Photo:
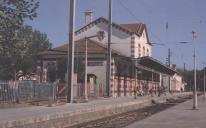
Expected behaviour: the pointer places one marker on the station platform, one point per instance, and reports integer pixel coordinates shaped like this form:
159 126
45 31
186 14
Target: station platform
70 114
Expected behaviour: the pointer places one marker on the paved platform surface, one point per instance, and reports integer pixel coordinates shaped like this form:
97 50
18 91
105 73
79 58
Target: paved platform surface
17 113
10 116
179 116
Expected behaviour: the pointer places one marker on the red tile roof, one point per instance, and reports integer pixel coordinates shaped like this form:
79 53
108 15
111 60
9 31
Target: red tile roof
93 47
136 28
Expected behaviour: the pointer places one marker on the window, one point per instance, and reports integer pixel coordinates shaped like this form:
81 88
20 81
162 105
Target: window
95 63
139 50
147 52
143 51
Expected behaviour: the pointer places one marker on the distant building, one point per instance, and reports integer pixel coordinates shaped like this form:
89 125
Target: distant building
177 83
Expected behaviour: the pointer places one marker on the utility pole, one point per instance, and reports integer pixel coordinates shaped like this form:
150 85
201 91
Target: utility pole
184 68
195 82
70 64
204 96
108 68
85 76
184 73
169 56
152 78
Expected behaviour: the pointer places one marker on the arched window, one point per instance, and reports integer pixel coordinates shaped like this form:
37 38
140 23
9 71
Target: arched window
143 51
147 52
139 50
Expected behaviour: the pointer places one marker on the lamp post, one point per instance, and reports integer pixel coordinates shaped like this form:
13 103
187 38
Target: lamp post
194 64
100 35
204 95
195 82
108 66
70 65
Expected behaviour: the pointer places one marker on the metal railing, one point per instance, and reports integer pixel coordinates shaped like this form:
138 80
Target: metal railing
14 91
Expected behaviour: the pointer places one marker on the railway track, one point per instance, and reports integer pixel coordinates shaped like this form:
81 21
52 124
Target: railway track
124 119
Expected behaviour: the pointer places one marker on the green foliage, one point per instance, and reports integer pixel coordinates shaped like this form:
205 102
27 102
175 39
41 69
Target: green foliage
13 13
5 67
19 43
21 55
188 77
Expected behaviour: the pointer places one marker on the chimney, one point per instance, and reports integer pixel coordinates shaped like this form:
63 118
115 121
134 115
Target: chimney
88 16
174 67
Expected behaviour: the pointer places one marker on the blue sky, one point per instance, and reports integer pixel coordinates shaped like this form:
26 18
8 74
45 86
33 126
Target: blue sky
182 16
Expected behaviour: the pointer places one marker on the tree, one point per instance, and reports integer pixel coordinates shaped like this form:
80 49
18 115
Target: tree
188 77
22 55
29 43
13 13
15 38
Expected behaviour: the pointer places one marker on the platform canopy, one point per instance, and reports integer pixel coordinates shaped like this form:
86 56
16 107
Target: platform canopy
150 63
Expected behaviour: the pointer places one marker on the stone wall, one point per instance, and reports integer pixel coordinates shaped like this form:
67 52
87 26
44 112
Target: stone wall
61 120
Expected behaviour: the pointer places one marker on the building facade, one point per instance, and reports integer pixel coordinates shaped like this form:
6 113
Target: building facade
131 40
131 54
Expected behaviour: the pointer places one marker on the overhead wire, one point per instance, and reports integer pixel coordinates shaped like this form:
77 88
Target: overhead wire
135 17
155 36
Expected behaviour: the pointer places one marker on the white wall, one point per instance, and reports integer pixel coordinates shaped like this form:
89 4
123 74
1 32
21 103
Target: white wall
165 81
100 73
121 41
177 83
142 41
